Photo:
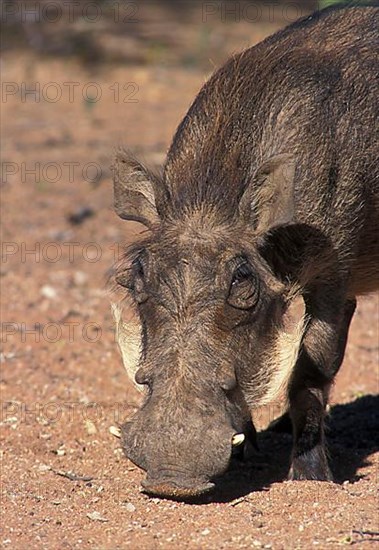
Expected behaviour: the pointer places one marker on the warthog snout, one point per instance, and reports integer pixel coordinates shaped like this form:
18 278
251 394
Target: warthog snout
181 459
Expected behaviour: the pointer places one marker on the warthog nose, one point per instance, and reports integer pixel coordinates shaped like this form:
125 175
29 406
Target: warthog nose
177 489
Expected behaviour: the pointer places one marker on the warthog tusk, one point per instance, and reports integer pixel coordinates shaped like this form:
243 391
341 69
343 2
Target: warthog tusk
238 439
115 431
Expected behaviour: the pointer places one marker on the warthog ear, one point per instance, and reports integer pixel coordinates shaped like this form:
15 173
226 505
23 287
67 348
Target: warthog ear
134 190
295 251
268 201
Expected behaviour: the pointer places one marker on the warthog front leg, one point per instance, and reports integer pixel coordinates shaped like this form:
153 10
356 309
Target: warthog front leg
320 358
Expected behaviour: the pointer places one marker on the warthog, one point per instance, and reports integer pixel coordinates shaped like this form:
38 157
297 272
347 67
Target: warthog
269 191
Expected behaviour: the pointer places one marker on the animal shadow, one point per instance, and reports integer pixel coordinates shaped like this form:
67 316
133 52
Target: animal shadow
352 432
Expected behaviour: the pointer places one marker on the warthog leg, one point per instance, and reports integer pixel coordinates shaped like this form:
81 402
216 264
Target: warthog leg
320 358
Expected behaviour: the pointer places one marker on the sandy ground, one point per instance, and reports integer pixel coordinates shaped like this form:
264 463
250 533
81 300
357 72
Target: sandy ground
65 481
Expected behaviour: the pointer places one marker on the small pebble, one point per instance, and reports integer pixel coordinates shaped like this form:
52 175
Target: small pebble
44 468
96 516
80 278
90 427
130 507
48 291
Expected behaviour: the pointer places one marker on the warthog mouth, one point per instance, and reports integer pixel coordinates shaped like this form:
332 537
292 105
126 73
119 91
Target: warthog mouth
175 489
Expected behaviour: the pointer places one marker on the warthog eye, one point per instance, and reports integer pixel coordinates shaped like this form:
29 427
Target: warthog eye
138 281
244 288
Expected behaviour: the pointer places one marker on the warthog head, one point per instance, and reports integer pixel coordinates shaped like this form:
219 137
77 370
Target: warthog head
210 312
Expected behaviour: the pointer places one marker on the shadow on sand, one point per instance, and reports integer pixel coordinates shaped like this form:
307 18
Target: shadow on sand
352 436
